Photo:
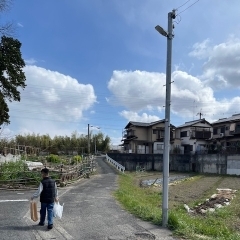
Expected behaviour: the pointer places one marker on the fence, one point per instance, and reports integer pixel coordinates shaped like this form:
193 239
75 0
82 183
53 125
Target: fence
61 173
118 166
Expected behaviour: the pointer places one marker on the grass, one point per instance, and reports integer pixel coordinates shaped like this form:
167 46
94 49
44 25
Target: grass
145 203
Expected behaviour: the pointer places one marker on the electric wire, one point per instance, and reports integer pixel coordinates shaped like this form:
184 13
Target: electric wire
183 4
187 7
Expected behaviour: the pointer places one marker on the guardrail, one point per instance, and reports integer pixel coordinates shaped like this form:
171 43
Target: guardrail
118 166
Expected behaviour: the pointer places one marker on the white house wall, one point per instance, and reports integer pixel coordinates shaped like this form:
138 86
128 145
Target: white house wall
187 141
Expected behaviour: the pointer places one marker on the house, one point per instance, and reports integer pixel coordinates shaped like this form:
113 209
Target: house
143 138
194 136
226 132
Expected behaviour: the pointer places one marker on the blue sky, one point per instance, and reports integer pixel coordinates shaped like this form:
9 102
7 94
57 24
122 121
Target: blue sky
103 63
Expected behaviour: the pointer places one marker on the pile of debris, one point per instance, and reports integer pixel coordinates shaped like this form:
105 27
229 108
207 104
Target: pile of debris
220 199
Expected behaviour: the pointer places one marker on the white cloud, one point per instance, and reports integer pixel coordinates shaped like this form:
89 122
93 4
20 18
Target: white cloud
201 50
52 102
221 68
140 91
30 61
133 116
5 132
19 24
136 90
115 141
51 95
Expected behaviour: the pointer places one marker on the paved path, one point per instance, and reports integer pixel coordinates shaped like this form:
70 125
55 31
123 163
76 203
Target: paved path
90 213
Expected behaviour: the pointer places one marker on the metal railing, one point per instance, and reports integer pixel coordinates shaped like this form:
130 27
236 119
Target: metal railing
118 166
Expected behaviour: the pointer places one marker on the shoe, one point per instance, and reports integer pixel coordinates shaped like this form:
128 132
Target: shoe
50 226
41 224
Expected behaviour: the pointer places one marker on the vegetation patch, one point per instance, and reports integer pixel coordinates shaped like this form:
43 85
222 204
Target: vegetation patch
224 223
144 203
16 174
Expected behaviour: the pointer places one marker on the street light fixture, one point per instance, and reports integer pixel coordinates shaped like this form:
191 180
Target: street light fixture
89 138
161 31
169 35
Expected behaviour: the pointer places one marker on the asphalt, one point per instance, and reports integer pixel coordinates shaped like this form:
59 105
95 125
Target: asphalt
90 213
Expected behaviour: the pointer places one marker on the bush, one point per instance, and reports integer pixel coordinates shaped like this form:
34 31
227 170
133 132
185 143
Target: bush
9 170
17 170
53 158
76 159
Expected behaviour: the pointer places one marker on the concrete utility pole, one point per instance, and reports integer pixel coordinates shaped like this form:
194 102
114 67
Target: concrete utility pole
95 145
88 141
169 35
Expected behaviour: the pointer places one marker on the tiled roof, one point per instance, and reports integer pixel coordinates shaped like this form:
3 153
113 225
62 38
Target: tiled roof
142 124
233 118
187 124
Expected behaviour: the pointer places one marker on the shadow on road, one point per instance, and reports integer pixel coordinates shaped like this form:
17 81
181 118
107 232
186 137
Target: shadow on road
17 228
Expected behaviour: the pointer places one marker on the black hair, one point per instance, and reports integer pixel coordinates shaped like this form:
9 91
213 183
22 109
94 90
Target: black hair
45 170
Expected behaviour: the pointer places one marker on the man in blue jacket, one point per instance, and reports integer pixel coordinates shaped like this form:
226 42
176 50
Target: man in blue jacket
48 194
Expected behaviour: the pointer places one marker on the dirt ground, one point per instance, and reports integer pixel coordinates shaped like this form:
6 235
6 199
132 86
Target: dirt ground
194 188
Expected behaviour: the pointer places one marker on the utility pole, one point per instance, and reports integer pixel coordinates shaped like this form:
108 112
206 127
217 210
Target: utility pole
169 35
95 144
88 141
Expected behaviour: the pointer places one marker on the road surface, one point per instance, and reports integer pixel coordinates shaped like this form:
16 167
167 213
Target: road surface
90 213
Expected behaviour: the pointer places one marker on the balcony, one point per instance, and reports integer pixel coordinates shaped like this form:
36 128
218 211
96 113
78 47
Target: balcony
129 134
202 134
234 128
160 137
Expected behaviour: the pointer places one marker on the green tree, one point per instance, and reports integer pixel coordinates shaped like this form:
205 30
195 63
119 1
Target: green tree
11 75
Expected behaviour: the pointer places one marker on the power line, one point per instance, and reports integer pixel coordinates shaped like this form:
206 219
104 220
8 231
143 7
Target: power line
183 4
188 7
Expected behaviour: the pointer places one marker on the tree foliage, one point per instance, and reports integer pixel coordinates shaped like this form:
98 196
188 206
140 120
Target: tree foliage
76 143
11 75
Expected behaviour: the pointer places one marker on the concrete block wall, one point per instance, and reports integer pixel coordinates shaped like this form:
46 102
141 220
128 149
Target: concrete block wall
210 163
233 164
206 163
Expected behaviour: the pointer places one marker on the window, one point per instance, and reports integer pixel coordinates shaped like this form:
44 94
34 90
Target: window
223 129
237 129
161 133
215 131
184 134
159 146
155 131
226 128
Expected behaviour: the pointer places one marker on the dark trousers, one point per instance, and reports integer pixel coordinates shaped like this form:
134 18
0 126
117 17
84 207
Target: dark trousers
46 207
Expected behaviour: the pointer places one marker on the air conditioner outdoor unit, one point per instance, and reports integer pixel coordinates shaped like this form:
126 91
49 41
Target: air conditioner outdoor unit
221 134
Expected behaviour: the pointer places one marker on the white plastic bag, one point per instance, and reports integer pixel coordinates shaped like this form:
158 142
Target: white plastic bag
57 210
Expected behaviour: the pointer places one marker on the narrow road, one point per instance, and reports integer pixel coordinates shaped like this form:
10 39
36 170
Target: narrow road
90 213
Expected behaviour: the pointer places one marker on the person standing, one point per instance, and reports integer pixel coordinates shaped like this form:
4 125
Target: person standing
48 193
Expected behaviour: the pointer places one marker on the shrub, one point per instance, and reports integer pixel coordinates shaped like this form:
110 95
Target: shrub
76 159
53 158
17 170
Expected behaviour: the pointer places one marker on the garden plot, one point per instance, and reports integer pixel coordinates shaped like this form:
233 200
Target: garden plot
220 199
159 181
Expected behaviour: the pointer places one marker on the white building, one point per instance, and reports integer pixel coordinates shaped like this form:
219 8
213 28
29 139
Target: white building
194 136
